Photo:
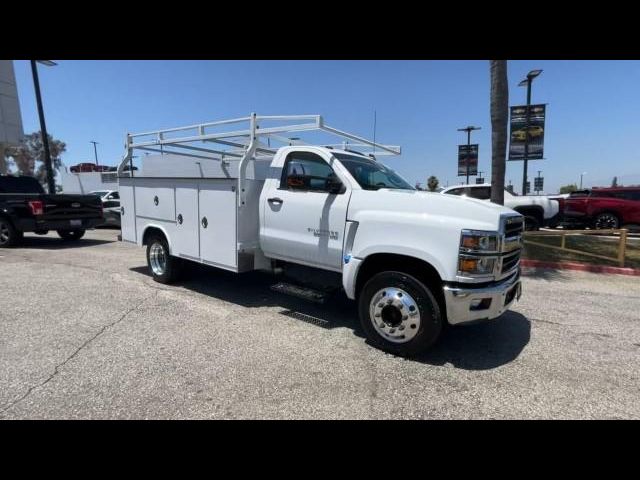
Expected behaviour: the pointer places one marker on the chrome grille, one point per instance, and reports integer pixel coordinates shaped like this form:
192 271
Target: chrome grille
509 261
513 226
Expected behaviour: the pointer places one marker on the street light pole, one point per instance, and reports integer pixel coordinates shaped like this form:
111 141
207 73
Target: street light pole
43 127
95 150
583 173
468 130
527 81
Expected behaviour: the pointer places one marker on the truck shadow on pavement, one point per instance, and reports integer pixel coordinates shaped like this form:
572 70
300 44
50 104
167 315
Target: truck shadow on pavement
476 347
55 243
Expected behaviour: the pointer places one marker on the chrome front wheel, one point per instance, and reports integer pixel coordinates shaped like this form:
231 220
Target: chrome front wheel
395 315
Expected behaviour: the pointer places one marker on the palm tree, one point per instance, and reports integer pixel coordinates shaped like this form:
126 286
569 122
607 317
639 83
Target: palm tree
499 124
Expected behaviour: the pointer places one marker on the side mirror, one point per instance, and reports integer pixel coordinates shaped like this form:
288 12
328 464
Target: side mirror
334 185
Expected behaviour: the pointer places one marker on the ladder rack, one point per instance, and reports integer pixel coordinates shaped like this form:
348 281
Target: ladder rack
242 138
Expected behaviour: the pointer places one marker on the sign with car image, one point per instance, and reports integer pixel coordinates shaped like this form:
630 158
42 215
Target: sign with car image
519 130
462 160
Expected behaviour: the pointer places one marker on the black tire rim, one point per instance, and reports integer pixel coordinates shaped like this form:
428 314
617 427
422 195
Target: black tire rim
606 220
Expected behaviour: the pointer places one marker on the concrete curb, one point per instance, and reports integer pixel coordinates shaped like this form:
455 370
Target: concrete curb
583 267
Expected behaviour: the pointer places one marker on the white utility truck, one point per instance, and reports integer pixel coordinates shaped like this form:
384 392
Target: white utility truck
226 195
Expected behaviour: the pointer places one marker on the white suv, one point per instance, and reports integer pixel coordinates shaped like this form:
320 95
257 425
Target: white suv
539 211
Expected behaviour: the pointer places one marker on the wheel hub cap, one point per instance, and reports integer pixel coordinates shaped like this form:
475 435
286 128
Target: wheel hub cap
394 315
158 259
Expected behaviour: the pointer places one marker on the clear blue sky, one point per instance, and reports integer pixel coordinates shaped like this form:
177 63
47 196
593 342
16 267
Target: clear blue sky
592 113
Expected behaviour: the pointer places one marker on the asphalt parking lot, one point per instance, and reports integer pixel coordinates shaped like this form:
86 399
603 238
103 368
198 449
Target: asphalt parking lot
86 333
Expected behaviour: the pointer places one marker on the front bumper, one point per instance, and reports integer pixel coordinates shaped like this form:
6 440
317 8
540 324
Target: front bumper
494 300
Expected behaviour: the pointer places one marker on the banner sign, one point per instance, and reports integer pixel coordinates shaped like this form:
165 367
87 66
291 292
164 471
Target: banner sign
519 130
538 184
470 152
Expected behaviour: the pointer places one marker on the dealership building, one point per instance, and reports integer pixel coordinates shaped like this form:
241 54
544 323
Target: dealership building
10 120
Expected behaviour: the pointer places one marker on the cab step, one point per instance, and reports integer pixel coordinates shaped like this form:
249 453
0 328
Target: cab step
300 291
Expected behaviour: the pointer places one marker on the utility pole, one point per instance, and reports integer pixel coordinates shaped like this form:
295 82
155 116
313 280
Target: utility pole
468 129
95 150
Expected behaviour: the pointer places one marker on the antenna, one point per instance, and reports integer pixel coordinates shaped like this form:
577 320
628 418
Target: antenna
374 131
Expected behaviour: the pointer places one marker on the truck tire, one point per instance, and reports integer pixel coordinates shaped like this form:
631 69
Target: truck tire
163 267
71 234
9 236
531 223
399 314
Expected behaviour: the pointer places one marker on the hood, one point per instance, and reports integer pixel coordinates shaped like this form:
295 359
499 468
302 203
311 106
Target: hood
449 210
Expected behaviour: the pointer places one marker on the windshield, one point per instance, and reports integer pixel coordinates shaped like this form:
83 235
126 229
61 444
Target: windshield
372 175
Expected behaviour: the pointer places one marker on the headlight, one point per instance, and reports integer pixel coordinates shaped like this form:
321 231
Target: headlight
478 241
476 265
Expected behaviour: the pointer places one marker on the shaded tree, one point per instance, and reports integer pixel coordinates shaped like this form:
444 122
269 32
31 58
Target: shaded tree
28 156
432 183
499 122
568 188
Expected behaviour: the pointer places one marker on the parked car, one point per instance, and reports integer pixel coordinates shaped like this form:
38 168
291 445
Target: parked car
110 205
412 263
538 210
25 207
607 207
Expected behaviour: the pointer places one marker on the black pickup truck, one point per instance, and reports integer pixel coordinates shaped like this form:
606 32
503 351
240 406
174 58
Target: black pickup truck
25 207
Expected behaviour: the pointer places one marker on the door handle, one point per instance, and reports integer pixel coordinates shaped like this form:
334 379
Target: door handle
274 200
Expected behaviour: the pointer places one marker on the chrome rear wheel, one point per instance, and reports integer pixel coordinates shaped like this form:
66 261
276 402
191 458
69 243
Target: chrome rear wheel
158 258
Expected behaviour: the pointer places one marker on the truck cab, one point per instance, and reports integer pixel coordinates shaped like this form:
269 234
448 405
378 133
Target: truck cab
414 261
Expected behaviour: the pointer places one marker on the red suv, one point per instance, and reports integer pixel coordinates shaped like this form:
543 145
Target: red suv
605 207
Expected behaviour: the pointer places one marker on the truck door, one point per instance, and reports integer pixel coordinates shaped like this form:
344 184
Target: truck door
303 221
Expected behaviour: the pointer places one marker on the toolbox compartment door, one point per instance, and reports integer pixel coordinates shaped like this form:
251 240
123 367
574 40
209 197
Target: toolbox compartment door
218 213
186 241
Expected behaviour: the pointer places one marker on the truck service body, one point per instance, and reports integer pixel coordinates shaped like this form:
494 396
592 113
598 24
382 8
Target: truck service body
414 261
